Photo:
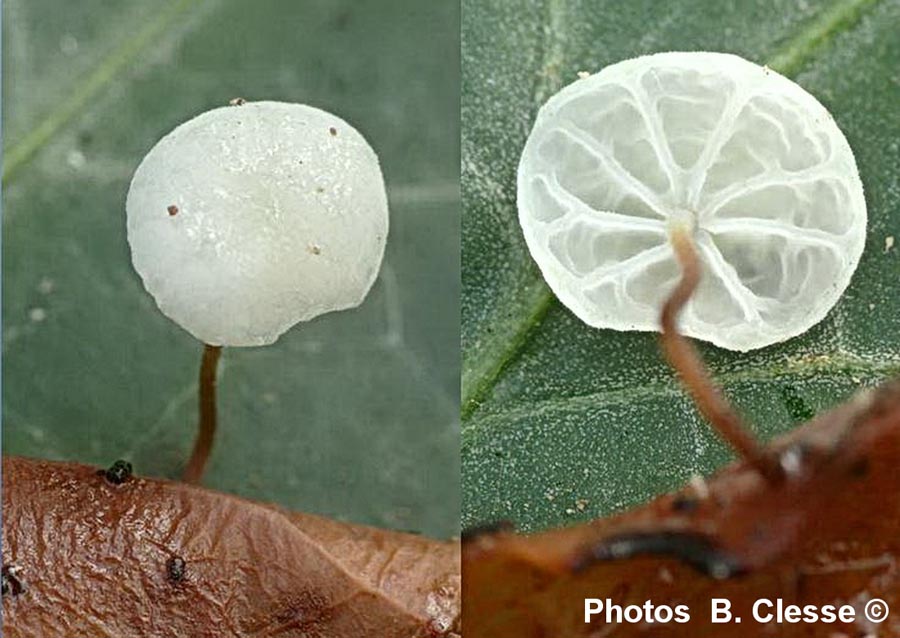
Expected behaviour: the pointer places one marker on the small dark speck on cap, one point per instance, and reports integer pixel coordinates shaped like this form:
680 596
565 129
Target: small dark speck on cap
173 210
332 130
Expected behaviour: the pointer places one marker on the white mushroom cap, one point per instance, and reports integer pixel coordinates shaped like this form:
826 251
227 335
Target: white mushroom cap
248 219
744 157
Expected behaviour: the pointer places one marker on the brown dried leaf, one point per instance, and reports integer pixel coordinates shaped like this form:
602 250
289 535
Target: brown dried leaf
96 559
828 534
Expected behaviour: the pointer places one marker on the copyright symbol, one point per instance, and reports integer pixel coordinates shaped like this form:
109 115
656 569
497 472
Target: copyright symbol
876 610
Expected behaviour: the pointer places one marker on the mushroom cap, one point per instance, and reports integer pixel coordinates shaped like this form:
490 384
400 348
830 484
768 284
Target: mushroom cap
744 157
248 219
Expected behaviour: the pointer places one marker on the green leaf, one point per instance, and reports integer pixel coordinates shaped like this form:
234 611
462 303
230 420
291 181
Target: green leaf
353 415
562 422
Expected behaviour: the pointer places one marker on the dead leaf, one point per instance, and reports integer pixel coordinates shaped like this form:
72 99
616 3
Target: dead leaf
829 533
98 559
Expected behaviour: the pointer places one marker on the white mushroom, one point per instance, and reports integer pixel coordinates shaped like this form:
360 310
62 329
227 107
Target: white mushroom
753 166
250 218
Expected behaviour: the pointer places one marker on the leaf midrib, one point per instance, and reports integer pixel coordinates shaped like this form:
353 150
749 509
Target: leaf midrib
21 153
482 374
845 364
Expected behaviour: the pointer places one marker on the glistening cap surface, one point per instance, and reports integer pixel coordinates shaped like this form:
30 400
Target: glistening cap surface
749 161
247 219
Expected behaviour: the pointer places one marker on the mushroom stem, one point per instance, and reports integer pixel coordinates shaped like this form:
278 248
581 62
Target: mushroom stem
206 429
684 358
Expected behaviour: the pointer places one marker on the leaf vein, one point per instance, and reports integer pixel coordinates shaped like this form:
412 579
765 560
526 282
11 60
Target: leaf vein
23 151
835 364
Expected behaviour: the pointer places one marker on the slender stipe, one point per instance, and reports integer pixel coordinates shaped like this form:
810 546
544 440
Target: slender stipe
684 358
206 429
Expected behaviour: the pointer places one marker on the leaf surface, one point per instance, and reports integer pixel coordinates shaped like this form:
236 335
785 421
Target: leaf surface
564 423
353 415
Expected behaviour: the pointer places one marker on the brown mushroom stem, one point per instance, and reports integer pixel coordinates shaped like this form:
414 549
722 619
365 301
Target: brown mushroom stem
684 358
206 429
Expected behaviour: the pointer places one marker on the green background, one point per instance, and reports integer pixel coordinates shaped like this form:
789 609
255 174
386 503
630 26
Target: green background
353 415
564 423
